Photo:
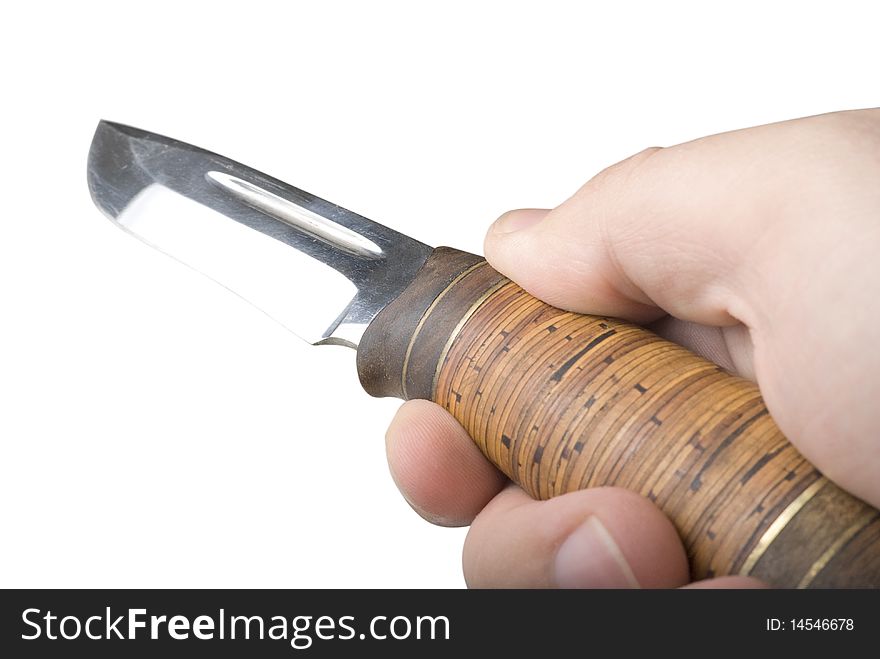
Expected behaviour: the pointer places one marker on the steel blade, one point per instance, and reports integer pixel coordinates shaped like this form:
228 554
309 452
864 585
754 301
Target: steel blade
237 226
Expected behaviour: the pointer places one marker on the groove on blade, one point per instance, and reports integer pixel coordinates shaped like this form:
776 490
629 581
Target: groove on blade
296 216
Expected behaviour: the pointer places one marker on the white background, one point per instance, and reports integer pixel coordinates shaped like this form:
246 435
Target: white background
158 431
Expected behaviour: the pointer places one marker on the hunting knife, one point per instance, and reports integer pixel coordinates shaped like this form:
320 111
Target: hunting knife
558 401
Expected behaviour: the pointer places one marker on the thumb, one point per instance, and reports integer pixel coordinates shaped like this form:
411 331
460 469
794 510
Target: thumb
631 243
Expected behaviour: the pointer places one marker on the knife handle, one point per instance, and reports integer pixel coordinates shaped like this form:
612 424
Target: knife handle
560 401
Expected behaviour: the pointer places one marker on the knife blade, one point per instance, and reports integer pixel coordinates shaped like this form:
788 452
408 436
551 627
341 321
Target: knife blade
210 213
558 401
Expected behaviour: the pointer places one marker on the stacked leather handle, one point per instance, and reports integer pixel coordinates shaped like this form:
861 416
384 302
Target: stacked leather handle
561 401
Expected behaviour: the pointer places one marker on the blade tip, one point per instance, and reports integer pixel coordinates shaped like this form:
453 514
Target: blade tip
112 184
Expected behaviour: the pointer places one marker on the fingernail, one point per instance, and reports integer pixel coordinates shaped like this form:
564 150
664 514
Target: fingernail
590 558
518 220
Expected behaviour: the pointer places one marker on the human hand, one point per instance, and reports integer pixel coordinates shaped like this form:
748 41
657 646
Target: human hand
756 249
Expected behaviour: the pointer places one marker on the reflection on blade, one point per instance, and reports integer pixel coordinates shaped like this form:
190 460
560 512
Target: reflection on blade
265 272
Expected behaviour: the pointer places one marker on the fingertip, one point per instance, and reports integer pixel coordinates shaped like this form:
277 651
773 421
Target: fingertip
596 538
437 467
509 243
646 538
732 582
517 220
560 257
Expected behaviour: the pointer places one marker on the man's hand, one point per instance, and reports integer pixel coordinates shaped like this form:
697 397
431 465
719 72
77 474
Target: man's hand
758 249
